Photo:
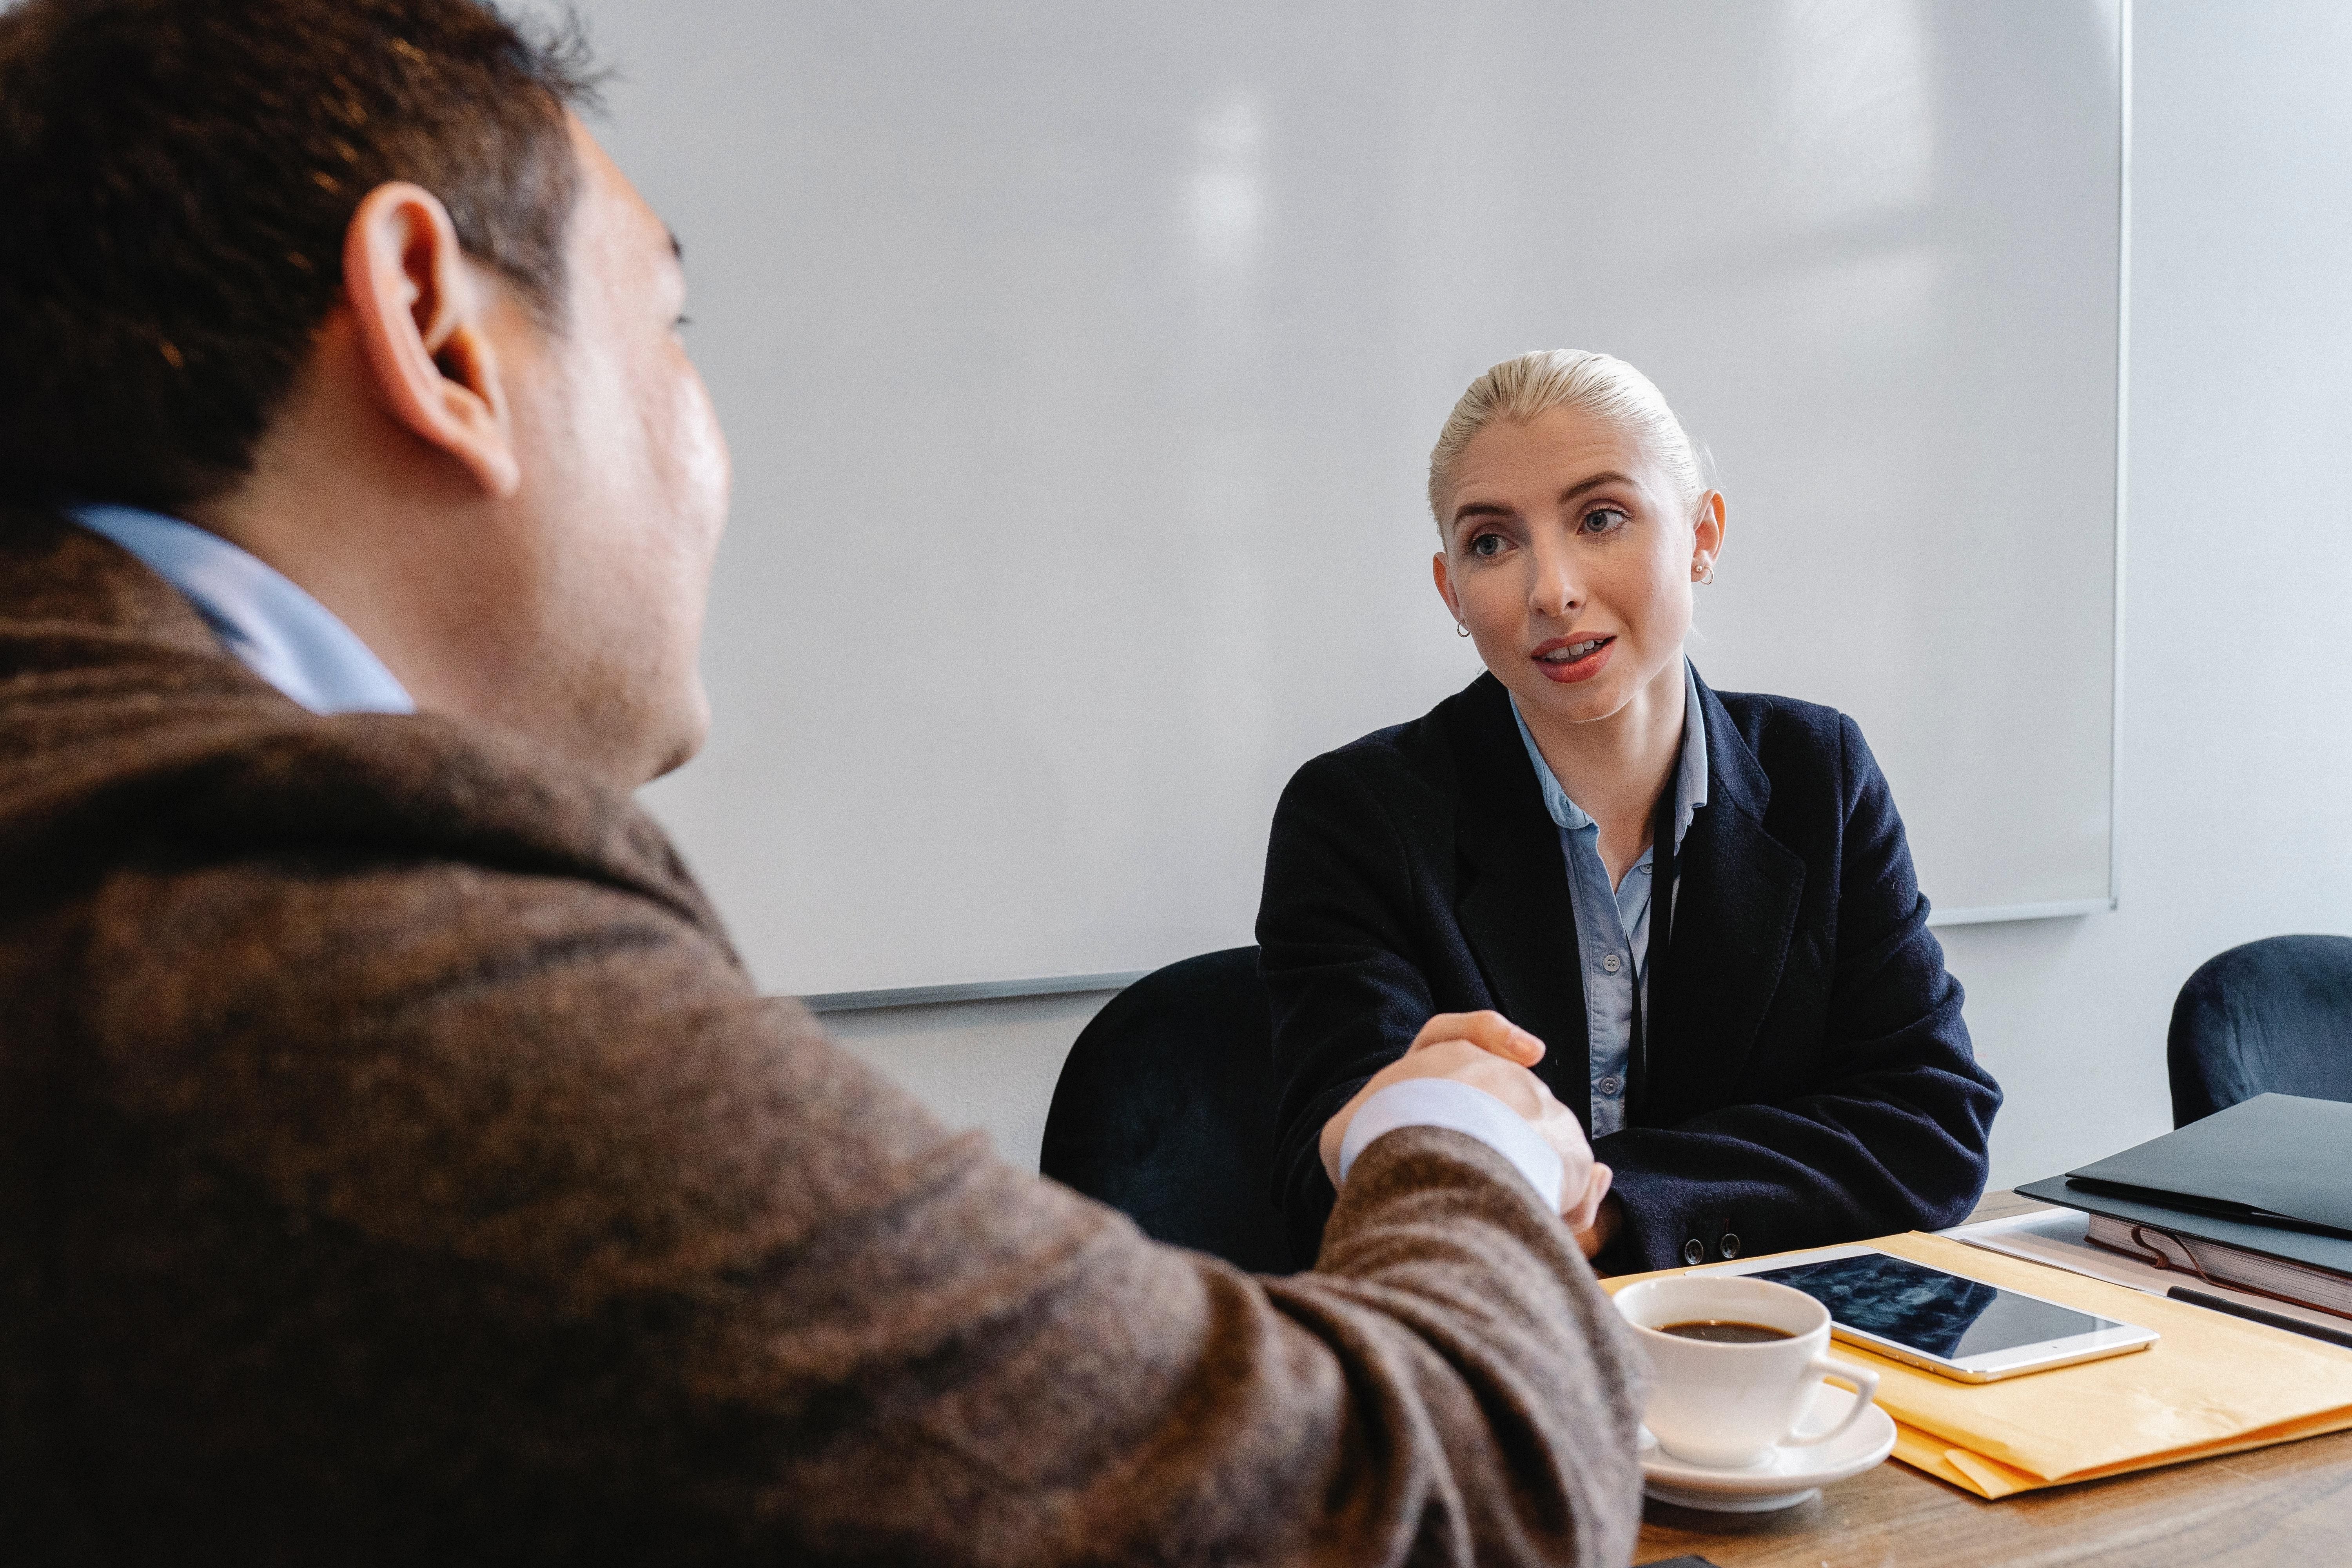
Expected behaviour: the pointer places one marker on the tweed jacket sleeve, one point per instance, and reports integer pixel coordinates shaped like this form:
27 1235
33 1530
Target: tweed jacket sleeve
400 1168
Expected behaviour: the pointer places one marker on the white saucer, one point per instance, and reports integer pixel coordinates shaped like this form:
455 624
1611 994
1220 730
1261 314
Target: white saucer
1782 1478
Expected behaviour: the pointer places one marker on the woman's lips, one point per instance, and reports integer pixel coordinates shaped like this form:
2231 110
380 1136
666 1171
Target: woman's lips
1571 659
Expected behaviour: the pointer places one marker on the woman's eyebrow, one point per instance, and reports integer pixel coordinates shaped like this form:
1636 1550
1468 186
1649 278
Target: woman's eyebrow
1607 477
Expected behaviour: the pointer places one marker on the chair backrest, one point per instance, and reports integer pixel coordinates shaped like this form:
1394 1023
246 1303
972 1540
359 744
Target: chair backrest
1165 1110
2274 1016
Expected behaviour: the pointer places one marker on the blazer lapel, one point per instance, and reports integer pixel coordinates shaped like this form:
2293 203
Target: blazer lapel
1513 902
1735 912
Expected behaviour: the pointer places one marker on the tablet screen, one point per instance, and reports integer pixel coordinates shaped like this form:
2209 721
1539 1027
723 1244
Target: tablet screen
1929 1309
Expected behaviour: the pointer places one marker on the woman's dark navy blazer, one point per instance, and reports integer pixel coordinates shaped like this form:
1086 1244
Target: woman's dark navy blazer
1809 1079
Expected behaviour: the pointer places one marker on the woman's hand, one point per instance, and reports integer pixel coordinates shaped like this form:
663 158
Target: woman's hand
1487 1051
1607 1217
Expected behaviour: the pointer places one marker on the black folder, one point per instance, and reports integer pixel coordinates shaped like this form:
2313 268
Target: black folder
2272 1175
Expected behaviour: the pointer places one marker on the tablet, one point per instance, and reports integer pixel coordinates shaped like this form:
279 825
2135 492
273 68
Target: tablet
1945 1324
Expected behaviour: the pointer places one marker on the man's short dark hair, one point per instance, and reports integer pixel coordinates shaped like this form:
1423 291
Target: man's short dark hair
177 178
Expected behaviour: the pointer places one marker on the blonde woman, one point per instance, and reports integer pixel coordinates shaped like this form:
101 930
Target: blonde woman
1753 1022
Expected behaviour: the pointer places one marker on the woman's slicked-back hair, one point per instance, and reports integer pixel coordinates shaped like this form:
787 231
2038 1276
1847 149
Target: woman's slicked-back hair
179 175
1592 383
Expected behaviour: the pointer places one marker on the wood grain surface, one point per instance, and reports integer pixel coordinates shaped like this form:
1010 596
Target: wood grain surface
2291 1504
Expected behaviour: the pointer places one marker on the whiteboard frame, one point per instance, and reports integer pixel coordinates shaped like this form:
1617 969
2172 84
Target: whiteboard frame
1119 980
2123 442
1998 914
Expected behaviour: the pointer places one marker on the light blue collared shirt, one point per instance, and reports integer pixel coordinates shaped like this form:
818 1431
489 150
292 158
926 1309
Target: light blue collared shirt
261 616
1613 925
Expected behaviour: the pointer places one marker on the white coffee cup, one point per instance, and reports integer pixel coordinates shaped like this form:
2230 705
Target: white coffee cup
1729 1405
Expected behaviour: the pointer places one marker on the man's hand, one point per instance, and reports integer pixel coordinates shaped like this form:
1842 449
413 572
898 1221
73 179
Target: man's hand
1487 1051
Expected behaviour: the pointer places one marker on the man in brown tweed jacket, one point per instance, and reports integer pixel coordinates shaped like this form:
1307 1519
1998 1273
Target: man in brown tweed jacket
396 1164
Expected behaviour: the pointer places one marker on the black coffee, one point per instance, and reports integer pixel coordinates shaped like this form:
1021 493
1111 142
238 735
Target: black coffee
1718 1331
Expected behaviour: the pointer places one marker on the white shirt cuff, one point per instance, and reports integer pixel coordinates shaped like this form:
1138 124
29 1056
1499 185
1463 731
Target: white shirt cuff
1444 1102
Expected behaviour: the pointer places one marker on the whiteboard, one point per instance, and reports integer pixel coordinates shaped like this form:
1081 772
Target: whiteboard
1081 361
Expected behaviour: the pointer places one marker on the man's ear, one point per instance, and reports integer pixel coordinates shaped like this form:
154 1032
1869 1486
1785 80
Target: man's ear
422 313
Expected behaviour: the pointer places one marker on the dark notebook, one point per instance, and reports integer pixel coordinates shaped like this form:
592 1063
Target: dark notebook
2270 1175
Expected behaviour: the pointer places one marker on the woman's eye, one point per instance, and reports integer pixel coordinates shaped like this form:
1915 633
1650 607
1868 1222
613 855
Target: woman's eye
1486 546
1605 520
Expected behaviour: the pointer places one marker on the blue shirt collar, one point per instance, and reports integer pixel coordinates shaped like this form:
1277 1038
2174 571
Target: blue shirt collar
1690 781
270 624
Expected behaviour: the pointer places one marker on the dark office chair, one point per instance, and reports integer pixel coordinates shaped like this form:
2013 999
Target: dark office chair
1165 1110
2273 1016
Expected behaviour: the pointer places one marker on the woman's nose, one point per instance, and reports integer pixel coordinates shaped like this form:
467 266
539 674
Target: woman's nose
1555 590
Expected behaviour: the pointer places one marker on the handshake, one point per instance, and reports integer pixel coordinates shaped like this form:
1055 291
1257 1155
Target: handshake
1487 1051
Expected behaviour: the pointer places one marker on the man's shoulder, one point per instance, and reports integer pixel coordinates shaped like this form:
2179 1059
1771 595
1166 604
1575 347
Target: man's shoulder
132 776
128 735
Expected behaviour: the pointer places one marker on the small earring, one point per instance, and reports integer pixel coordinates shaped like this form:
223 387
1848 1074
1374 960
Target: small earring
1704 575
1460 630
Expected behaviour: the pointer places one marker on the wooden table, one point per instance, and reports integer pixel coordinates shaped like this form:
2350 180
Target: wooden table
2288 1505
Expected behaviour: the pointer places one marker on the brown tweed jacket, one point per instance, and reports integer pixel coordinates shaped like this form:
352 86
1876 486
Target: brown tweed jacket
397 1166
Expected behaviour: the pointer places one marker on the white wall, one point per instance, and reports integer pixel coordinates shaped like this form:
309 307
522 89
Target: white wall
2237 715
2237 685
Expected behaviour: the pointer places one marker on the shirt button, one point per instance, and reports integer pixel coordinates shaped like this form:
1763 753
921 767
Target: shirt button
1610 964
1611 1085
1694 1251
1730 1245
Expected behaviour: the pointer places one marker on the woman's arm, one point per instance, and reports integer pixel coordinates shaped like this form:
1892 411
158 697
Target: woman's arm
1889 1134
1335 947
